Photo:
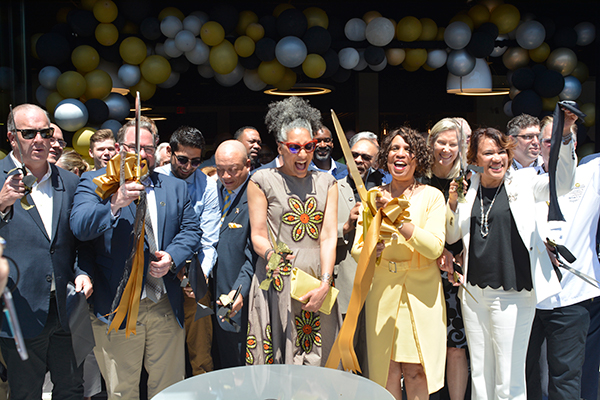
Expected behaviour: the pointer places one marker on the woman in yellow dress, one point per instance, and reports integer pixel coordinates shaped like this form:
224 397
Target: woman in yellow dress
405 308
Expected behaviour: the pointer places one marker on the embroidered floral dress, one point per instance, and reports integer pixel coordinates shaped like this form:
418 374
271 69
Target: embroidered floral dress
279 331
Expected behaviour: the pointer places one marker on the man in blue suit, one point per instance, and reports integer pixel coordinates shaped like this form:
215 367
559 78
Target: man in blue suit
236 258
40 242
159 342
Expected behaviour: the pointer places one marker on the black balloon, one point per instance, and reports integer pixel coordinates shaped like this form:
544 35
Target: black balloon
136 10
374 55
269 24
97 110
265 49
119 22
82 22
179 64
226 15
150 28
548 83
549 26
489 28
317 40
523 78
251 62
336 28
332 63
565 37
53 49
111 53
527 102
291 22
481 44
538 68
342 75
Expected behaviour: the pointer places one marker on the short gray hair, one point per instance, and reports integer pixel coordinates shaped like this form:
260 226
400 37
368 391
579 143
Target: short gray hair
364 135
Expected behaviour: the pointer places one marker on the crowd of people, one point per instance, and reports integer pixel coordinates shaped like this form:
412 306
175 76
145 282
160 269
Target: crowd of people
199 258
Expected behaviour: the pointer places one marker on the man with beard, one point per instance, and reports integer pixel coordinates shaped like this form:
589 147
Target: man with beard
250 138
525 130
322 160
172 235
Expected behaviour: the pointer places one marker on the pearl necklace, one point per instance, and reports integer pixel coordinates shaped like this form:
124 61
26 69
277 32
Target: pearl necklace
484 228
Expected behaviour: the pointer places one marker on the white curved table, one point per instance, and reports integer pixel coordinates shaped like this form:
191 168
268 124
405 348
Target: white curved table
270 382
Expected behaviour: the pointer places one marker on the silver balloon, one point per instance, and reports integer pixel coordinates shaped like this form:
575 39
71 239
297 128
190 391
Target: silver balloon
193 24
231 78
362 63
563 60
437 58
355 29
129 74
171 49
71 114
159 49
206 71
380 66
572 89
202 16
48 77
349 58
457 35
508 109
290 51
499 50
118 106
113 125
380 31
515 58
170 26
586 33
171 81
512 35
41 95
185 40
460 62
253 81
530 35
199 54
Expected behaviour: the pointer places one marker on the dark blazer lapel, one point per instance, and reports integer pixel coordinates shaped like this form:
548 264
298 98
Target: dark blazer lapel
58 190
240 200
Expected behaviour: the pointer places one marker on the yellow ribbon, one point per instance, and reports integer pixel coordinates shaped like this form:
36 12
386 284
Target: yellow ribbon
109 182
380 226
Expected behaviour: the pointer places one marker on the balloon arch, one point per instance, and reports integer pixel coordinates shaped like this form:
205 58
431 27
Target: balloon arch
230 46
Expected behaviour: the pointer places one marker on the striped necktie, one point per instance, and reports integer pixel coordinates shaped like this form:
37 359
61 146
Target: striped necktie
226 203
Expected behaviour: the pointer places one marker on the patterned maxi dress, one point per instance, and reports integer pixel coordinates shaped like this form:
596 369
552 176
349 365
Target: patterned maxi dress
279 331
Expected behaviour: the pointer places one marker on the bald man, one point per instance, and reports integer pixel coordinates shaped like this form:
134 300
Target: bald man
235 262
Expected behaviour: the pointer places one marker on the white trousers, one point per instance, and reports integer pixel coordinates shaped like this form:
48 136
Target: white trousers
498 326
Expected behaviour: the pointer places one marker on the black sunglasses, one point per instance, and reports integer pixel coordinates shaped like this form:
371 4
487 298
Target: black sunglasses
183 160
29 134
365 157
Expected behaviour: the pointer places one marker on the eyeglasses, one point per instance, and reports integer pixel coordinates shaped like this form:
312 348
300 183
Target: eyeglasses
528 137
150 150
29 134
183 160
324 140
61 143
295 148
547 142
365 157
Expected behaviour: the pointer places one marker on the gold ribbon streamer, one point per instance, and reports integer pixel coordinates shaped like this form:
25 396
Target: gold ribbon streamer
381 226
108 183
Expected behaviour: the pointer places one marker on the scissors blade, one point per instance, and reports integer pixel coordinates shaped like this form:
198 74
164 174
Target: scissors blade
580 275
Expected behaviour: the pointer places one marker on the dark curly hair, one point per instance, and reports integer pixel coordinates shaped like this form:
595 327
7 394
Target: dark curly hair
417 147
291 113
503 141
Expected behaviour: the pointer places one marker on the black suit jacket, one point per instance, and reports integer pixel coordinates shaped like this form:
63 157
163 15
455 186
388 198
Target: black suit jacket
39 256
236 257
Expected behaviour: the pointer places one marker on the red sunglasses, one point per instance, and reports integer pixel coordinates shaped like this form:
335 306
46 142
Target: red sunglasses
295 148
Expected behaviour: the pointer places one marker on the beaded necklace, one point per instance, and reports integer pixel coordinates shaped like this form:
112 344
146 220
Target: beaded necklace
484 228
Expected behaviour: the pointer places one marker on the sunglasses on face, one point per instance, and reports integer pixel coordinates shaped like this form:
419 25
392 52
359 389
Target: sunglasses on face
29 134
365 157
295 148
183 160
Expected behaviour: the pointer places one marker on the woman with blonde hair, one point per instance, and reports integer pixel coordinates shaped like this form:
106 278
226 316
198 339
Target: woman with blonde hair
72 161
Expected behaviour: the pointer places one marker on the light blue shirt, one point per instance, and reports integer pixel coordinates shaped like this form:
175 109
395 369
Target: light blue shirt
338 170
205 199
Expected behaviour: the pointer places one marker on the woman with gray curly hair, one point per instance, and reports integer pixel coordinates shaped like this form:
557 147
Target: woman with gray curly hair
298 207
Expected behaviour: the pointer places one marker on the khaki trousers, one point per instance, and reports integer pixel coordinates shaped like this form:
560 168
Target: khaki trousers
198 336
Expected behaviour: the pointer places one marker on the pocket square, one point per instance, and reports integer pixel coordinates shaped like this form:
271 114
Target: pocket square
233 225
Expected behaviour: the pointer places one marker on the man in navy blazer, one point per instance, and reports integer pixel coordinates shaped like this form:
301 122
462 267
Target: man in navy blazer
107 225
236 258
41 244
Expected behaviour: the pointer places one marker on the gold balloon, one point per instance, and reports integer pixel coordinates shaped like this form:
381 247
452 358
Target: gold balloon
590 110
71 84
130 28
271 72
491 4
585 150
145 88
107 34
370 16
155 69
34 40
171 11
105 11
430 29
540 54
85 58
464 18
52 101
212 33
548 104
223 58
246 18
410 68
395 56
281 8
98 84
440 33
3 153
244 46
428 68
133 50
415 58
515 58
409 29
513 92
81 140
61 15
479 15
314 66
288 81
88 4
563 60
581 72
506 17
255 32
316 17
